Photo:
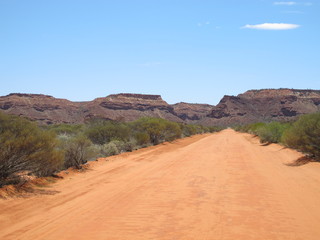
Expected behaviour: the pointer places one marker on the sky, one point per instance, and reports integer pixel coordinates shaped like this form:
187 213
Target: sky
184 50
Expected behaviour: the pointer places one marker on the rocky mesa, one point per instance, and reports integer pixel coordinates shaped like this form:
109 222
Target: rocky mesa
252 106
264 105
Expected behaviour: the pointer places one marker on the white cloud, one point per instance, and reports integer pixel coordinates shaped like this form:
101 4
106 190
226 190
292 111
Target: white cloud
203 24
293 3
285 3
272 26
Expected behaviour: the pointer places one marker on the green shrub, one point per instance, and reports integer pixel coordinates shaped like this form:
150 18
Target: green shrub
154 127
304 135
271 132
124 146
78 150
142 138
267 132
105 131
171 131
65 129
213 129
26 147
189 130
252 128
109 149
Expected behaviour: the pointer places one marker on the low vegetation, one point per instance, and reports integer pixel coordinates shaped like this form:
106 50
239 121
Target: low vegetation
26 147
29 149
303 134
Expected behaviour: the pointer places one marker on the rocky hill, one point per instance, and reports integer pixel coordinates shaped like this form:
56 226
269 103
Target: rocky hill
264 105
252 106
48 110
130 107
191 112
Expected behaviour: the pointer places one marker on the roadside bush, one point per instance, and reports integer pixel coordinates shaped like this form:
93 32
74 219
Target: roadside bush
250 128
271 132
142 138
213 129
109 149
158 130
78 150
171 131
154 127
304 135
189 130
102 132
65 129
124 146
26 147
267 132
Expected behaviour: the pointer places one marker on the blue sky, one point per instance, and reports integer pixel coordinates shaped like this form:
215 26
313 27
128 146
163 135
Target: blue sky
188 50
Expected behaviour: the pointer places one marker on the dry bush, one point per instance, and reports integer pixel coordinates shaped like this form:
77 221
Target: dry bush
26 147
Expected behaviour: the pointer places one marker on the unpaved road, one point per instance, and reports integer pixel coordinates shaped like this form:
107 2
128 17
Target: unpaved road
219 186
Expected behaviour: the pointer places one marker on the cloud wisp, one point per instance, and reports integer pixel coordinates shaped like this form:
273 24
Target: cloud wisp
292 3
272 26
285 3
203 24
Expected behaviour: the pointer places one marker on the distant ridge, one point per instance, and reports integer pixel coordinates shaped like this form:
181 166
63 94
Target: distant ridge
262 105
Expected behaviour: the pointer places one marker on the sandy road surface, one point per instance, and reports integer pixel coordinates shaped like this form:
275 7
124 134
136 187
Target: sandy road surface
219 186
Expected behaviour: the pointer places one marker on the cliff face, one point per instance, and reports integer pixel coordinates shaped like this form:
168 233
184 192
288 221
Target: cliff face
264 106
130 107
252 106
42 108
191 112
47 109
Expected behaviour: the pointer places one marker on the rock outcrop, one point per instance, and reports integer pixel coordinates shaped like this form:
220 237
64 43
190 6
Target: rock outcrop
47 109
252 106
42 108
263 106
129 107
191 112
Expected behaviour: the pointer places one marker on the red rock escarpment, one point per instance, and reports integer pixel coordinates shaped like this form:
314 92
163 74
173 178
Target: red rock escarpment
252 106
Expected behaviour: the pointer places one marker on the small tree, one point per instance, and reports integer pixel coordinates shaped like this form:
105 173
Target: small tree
77 152
25 147
171 131
272 132
102 132
142 138
304 135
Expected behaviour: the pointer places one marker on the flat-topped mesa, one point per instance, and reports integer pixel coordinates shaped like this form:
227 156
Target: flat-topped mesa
282 92
39 107
27 95
136 96
130 107
264 105
133 101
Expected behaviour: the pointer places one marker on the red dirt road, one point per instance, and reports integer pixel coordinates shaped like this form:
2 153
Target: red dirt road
219 186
